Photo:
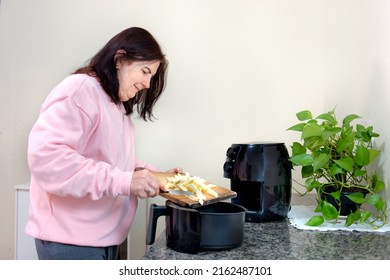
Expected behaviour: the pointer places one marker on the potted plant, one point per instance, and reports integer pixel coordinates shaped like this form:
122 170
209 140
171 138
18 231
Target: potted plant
334 159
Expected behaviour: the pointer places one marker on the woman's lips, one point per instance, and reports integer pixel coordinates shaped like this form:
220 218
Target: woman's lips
139 88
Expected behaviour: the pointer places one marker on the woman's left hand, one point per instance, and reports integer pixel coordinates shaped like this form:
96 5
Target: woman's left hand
162 176
176 170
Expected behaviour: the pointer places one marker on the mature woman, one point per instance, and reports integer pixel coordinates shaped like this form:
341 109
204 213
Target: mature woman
85 177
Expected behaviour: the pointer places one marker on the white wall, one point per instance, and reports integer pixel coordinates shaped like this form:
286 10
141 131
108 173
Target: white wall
357 67
239 71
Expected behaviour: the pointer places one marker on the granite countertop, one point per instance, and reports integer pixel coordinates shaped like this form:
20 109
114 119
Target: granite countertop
280 240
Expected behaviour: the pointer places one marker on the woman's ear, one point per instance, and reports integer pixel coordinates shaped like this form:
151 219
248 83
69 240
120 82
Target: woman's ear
118 55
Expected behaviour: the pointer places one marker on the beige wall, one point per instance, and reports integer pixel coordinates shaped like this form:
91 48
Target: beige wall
239 71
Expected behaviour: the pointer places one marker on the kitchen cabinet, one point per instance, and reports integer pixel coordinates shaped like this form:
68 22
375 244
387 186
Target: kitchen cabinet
24 244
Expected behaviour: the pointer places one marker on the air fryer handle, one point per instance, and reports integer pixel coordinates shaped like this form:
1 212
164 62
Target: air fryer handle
154 212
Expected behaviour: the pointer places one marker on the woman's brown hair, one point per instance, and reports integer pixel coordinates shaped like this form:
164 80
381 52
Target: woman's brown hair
138 45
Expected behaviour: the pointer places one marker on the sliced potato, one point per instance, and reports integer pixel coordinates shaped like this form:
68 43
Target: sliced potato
194 184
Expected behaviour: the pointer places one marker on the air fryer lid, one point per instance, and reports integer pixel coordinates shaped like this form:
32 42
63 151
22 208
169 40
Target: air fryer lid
250 161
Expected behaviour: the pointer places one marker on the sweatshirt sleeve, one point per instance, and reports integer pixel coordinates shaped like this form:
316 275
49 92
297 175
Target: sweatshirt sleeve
56 145
140 164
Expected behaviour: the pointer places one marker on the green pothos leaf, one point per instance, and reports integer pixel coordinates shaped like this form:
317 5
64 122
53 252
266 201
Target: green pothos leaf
329 211
350 118
307 171
356 197
315 221
297 127
362 156
373 199
304 115
320 161
318 208
302 159
364 215
352 218
346 163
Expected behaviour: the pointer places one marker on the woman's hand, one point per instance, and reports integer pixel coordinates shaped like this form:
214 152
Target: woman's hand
146 183
176 170
163 177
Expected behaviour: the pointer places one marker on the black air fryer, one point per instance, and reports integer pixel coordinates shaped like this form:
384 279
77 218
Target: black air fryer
260 174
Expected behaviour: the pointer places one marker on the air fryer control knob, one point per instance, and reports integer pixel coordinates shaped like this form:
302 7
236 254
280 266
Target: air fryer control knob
228 166
231 153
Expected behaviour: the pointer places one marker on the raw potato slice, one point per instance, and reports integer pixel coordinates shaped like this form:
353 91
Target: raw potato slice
197 185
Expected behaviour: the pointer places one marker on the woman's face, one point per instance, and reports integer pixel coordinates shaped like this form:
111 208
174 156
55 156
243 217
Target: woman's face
134 76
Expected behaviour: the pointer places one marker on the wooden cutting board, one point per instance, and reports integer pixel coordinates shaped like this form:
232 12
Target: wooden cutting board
184 201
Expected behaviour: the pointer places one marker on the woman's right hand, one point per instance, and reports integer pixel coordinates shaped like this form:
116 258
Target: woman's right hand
144 184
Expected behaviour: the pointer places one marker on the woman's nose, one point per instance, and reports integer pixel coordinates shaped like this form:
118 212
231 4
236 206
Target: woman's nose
146 83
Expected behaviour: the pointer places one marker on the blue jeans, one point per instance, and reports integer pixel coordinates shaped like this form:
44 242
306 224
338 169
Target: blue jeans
48 250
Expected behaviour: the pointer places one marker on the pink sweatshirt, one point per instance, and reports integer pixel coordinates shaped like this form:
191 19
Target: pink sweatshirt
81 156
